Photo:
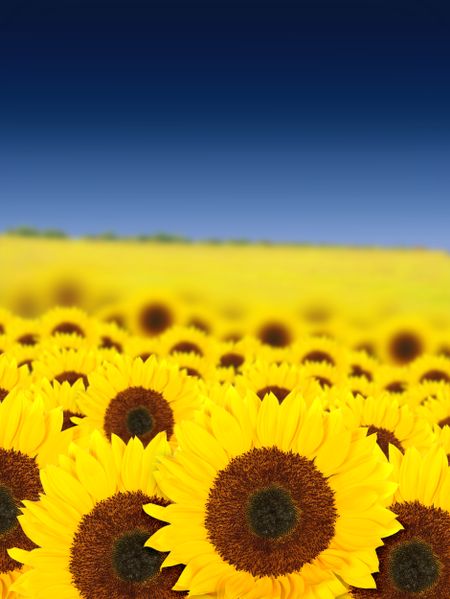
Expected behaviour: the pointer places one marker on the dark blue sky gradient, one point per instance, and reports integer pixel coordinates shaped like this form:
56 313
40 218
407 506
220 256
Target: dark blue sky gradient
312 121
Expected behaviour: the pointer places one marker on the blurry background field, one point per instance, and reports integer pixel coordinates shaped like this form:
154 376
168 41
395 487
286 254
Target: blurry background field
38 273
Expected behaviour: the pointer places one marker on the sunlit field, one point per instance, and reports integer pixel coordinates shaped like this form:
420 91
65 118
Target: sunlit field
230 421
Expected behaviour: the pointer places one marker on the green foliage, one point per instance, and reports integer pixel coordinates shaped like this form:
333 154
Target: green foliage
25 231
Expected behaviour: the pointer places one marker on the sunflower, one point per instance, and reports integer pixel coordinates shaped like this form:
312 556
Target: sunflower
112 337
274 329
29 438
90 527
150 314
394 379
319 349
404 339
67 321
325 374
186 340
195 366
415 562
394 424
134 398
25 331
64 395
23 354
361 365
115 313
436 410
12 377
430 369
273 500
281 380
67 365
235 355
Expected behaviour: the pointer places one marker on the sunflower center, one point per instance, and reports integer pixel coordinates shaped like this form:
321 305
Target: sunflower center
186 347
358 370
435 375
139 421
68 328
271 513
155 319
405 347
108 557
71 377
252 512
28 339
414 561
275 334
396 387
67 422
108 343
384 437
280 392
444 422
138 412
132 560
3 394
19 480
8 511
231 359
318 356
413 567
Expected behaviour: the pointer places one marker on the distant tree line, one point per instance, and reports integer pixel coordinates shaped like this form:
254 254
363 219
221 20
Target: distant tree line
162 237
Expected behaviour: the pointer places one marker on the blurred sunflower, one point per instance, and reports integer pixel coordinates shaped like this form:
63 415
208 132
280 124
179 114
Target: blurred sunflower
12 376
264 510
67 321
29 436
110 336
393 379
325 374
394 424
91 529
361 365
275 329
152 314
436 410
186 340
25 331
134 398
430 369
403 340
23 354
415 562
281 380
236 355
319 349
195 366
67 365
115 313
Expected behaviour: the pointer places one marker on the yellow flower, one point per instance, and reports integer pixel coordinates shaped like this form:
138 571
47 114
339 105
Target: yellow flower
415 562
393 423
273 500
129 397
29 439
90 527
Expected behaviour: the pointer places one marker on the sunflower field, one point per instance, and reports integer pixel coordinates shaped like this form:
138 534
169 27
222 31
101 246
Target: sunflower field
223 421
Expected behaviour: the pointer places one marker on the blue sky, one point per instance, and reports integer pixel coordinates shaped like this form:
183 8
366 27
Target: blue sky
293 121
